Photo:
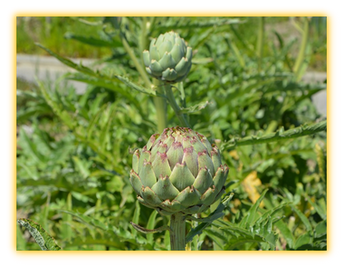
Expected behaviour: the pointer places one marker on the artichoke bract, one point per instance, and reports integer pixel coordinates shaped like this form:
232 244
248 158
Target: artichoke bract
178 171
169 58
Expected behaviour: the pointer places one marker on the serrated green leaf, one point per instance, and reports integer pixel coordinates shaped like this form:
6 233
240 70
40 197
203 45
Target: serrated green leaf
163 27
241 241
196 231
320 229
286 233
135 86
318 208
63 114
217 237
236 52
277 136
43 239
94 107
59 183
227 226
94 120
304 240
106 83
80 241
68 62
92 40
30 173
81 166
38 109
196 108
31 147
303 218
89 220
209 219
252 212
98 79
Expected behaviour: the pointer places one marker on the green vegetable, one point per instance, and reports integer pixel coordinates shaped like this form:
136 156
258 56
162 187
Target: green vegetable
178 171
169 58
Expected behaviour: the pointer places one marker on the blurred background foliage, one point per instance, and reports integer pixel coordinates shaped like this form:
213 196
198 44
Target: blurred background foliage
74 150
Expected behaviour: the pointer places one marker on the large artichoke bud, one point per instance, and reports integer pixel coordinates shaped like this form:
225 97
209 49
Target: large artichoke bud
178 171
168 59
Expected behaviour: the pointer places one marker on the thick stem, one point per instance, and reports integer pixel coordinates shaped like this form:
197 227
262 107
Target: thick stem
161 108
174 105
177 232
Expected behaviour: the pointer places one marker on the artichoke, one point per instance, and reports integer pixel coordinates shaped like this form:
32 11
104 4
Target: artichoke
168 59
178 171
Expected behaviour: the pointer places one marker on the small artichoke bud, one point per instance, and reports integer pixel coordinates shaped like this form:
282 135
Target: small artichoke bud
178 171
169 59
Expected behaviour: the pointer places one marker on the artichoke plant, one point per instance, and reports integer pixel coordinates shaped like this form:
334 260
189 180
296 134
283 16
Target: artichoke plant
178 171
169 58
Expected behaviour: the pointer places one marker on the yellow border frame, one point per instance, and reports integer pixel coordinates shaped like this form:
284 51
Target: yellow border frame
179 8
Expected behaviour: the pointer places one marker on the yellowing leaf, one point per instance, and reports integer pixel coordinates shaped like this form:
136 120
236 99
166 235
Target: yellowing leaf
234 154
320 160
249 184
236 204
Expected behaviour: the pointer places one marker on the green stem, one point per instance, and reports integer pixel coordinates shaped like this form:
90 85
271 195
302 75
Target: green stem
301 55
152 24
174 105
177 232
143 34
161 108
160 105
259 46
277 136
136 62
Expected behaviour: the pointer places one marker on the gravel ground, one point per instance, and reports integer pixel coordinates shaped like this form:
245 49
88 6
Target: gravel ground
29 67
